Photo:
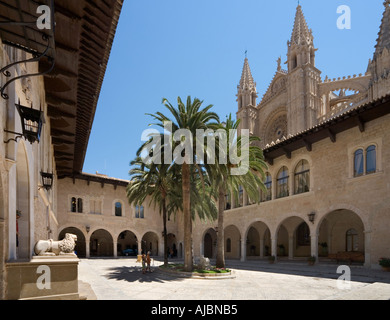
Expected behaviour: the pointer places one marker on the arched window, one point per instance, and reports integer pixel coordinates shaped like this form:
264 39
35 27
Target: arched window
80 205
118 209
303 235
137 211
228 205
282 183
240 197
73 205
228 245
371 159
141 214
358 163
352 240
266 196
302 177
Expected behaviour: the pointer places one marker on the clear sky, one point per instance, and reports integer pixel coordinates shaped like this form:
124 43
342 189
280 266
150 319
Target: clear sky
171 48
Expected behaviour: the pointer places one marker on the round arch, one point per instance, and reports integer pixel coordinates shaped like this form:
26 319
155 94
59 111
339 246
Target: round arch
150 242
232 240
293 236
258 239
342 230
209 242
127 243
101 243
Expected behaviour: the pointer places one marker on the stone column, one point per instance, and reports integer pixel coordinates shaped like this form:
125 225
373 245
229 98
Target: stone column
139 247
261 248
314 246
243 249
290 247
274 249
367 249
87 248
115 248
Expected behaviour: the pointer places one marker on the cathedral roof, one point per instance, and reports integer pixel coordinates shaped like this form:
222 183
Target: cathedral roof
301 33
384 33
246 77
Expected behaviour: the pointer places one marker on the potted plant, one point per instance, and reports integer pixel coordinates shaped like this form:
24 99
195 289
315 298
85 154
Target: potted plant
324 249
385 263
281 250
311 260
271 259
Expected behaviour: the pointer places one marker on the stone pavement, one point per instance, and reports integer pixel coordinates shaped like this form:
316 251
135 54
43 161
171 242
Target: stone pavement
121 279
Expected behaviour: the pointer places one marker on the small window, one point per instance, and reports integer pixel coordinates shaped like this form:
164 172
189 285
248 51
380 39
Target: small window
228 245
371 159
141 214
80 205
118 209
358 163
137 211
73 205
282 183
302 177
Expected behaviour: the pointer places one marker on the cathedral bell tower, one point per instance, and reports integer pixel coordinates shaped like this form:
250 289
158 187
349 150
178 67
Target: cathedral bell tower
303 77
246 98
379 66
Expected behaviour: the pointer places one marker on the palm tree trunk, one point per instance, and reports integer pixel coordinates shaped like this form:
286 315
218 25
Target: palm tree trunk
220 263
165 232
187 218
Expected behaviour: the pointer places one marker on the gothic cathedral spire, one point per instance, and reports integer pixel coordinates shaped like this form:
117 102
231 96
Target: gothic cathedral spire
379 67
246 98
303 77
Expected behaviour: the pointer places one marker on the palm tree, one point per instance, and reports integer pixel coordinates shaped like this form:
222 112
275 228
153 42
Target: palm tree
190 116
225 182
157 182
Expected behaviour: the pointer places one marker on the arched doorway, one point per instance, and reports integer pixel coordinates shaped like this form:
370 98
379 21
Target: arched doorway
293 238
258 240
341 231
172 246
127 244
150 243
209 244
80 248
232 242
23 223
101 244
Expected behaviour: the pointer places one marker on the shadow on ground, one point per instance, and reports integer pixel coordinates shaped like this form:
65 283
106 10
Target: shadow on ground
301 268
133 274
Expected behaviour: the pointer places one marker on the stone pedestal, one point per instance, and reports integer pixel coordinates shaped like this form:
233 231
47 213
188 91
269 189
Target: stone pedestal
43 278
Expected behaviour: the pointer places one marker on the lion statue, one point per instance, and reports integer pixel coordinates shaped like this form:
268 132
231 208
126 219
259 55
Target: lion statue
56 248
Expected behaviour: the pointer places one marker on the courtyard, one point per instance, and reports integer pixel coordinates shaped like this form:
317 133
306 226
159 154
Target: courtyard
122 279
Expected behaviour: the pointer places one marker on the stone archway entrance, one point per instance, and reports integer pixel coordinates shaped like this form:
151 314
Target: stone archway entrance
101 244
258 240
150 243
209 244
232 242
341 231
293 239
127 243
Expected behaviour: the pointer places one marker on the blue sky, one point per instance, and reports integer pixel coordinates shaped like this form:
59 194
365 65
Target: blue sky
177 48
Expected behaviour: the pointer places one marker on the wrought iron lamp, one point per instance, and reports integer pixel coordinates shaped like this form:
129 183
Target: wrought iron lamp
32 121
47 180
312 216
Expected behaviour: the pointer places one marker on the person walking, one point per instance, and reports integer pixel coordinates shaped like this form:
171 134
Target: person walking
148 260
143 263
